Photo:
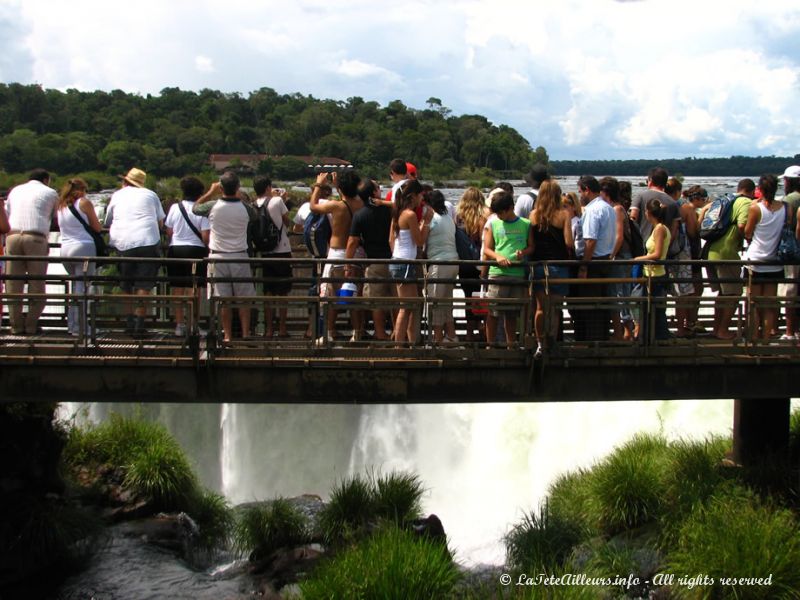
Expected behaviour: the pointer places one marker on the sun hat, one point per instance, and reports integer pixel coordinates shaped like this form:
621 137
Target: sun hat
135 177
792 172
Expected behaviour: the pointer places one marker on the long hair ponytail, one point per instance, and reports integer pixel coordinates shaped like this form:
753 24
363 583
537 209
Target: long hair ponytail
72 189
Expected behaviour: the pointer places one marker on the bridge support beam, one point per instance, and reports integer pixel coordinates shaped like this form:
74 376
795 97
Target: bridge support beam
760 428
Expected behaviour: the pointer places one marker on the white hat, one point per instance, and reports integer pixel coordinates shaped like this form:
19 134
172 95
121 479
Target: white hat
792 172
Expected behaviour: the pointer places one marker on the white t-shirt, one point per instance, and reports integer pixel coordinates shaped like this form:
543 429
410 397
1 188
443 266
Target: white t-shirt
276 209
451 209
229 219
133 215
524 204
182 234
31 206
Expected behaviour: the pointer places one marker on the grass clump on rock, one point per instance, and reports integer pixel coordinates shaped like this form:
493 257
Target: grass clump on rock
542 542
264 528
392 563
152 463
359 503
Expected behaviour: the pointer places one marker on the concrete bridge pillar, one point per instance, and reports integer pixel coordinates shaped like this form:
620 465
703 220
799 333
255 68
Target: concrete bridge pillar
760 428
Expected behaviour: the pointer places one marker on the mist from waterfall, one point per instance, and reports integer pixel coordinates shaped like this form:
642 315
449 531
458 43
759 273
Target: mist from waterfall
483 465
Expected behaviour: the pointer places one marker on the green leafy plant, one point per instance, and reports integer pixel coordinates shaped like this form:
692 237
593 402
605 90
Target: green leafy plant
393 563
262 529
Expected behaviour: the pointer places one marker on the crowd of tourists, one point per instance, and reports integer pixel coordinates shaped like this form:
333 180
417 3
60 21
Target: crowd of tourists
614 247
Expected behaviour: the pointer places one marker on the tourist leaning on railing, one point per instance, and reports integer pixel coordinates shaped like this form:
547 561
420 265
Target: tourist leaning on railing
657 246
508 241
441 246
188 238
726 279
765 220
31 208
76 220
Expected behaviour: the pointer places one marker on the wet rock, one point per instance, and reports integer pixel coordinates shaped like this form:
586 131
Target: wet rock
430 528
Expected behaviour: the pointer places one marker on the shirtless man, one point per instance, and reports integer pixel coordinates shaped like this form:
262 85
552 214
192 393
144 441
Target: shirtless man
341 215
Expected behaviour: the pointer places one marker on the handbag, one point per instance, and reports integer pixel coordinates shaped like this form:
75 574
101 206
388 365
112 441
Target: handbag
788 247
100 246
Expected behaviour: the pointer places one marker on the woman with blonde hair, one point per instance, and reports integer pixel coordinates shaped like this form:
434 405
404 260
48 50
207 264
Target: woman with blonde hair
471 215
552 240
76 216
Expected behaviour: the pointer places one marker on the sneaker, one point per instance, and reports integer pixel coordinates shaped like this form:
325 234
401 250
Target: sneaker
180 330
323 341
786 337
537 355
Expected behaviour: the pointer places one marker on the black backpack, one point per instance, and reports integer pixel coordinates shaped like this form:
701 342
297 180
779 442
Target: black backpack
636 241
264 234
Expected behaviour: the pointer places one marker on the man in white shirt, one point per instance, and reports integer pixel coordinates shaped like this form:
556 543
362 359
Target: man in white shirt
135 218
30 207
524 204
229 218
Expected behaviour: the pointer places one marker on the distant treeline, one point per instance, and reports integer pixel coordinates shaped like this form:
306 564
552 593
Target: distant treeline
173 133
735 166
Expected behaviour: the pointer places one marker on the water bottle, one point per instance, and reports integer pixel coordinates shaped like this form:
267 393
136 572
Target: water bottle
347 290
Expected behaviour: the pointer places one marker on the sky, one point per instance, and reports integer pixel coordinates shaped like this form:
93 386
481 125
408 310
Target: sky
586 79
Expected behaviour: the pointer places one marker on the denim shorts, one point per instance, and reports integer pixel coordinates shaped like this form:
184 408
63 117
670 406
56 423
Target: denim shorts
554 272
403 271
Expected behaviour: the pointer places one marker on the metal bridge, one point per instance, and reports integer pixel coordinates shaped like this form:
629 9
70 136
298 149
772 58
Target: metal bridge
109 365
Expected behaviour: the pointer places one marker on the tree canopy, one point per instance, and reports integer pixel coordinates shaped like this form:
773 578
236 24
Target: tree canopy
174 132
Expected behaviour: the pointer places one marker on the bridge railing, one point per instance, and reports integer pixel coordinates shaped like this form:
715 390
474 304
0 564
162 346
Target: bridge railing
580 319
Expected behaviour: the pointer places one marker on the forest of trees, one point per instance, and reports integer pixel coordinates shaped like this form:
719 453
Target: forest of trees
173 133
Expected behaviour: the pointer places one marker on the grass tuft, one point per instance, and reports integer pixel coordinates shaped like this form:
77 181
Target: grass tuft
349 512
393 563
162 472
265 528
398 497
214 517
542 542
627 488
736 534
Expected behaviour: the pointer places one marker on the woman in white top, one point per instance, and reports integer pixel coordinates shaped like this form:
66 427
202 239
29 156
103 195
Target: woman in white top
765 220
77 241
186 241
441 246
406 234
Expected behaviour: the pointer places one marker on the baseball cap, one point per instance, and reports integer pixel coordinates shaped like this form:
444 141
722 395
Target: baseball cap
792 172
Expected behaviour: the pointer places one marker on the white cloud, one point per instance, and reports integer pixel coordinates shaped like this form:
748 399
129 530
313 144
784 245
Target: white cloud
357 69
203 64
584 78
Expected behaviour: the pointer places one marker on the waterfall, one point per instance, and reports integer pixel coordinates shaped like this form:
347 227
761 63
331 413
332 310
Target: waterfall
483 465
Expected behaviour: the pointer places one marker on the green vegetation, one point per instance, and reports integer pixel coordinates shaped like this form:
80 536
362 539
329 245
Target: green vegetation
736 534
627 488
393 563
653 506
359 503
542 542
153 466
262 529
174 132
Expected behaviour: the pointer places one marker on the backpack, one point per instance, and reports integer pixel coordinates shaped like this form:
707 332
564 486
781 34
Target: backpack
636 241
264 234
317 234
466 248
788 247
717 219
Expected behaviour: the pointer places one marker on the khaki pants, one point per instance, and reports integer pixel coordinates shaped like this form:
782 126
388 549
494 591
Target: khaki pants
26 244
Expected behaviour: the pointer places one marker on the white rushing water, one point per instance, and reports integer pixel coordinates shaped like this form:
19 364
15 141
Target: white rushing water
483 465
